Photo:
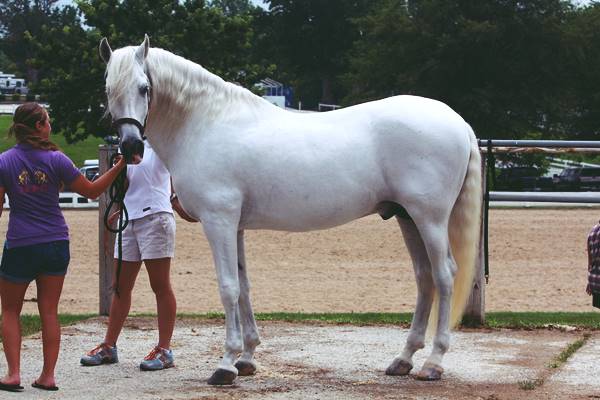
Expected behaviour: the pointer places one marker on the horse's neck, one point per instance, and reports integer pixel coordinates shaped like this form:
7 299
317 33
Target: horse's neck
188 101
185 92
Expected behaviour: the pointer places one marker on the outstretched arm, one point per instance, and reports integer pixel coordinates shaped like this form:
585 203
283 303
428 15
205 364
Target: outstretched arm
93 190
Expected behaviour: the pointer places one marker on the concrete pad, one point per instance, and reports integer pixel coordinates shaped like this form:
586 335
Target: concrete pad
305 361
581 374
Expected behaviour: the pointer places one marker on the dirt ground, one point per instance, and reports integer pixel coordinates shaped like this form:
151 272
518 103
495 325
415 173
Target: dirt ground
538 262
314 361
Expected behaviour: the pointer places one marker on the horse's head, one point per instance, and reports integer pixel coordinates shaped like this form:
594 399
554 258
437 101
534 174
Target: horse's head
128 92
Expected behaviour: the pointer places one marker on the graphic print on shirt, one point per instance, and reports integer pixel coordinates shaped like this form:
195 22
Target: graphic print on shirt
39 183
40 177
23 178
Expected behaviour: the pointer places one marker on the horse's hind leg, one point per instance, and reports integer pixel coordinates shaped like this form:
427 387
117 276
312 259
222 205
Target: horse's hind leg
443 269
246 364
403 363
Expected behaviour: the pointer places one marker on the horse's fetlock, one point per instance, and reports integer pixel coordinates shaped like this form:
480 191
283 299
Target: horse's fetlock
252 339
234 346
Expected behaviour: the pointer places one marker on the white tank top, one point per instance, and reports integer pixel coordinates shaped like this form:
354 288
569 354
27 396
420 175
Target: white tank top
149 189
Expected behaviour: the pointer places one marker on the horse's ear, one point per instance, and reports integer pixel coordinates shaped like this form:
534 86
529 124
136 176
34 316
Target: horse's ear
104 50
142 52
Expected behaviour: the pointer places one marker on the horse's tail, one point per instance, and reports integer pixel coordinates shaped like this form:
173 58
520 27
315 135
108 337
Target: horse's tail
464 232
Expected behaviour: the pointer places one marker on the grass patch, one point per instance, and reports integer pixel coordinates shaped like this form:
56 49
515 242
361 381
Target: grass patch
537 320
530 384
568 351
77 152
31 324
359 319
518 320
526 320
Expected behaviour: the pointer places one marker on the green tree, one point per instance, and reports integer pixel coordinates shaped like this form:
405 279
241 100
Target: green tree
582 37
69 56
310 40
500 64
233 7
19 20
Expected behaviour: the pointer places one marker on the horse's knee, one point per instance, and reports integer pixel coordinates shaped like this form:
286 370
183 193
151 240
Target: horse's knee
230 294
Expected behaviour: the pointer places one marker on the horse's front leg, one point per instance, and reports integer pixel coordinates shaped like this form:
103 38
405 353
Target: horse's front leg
246 364
221 233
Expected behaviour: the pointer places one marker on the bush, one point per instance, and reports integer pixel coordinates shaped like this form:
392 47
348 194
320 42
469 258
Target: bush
16 97
30 97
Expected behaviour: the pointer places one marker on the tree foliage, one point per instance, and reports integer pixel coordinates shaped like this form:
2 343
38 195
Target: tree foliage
500 64
67 52
511 68
310 40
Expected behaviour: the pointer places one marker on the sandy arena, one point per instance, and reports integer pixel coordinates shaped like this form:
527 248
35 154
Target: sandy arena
538 263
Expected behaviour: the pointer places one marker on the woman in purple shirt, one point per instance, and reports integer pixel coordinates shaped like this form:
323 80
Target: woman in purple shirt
37 241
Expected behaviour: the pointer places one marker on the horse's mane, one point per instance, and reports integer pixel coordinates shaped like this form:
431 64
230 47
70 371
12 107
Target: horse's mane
179 86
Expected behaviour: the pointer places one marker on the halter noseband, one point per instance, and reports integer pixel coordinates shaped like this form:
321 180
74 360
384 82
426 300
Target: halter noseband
127 120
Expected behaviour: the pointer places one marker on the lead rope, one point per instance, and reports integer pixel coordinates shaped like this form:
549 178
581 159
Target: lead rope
116 193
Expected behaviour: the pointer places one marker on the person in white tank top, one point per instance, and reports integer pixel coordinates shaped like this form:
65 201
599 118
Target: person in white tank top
149 238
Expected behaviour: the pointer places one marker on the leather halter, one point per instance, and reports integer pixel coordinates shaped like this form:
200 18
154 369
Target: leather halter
128 120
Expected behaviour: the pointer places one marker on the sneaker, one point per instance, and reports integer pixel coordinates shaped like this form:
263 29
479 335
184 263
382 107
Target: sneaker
158 359
101 354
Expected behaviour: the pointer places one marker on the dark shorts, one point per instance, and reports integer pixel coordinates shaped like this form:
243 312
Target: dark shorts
24 264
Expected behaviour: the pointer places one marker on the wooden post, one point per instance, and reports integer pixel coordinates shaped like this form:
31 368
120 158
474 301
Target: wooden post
106 239
475 310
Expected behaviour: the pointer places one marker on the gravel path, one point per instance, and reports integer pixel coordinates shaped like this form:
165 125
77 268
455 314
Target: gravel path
313 361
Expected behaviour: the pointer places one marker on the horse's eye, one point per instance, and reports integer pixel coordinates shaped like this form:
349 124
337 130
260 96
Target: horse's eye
144 90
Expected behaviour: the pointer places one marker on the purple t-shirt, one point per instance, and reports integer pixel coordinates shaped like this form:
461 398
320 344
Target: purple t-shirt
32 179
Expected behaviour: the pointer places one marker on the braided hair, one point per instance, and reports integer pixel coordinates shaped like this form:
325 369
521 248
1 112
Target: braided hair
23 126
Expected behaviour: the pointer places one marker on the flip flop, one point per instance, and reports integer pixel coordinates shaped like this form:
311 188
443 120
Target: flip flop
44 387
11 388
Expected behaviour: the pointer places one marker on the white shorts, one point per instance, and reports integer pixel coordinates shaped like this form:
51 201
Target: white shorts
149 237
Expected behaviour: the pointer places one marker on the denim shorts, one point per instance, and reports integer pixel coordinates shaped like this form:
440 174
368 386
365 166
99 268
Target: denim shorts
24 264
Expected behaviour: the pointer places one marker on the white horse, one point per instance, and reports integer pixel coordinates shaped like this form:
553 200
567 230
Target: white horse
239 162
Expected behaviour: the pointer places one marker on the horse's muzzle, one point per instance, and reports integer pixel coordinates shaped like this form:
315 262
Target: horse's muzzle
131 147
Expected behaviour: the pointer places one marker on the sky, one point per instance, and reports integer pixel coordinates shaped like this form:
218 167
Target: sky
255 2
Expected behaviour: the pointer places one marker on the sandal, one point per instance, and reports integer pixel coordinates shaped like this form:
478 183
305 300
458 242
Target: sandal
10 388
44 387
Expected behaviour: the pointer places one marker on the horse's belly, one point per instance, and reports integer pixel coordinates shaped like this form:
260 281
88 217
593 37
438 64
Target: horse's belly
304 214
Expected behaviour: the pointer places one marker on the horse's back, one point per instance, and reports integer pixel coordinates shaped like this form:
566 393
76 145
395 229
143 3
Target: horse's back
321 170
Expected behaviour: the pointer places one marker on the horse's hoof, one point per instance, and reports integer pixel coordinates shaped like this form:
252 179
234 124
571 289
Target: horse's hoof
222 377
399 367
245 368
430 372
